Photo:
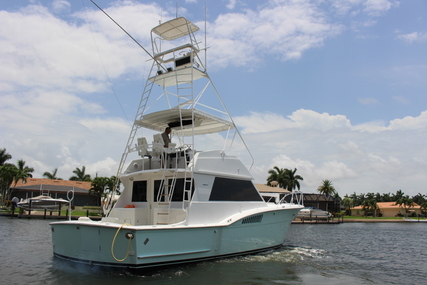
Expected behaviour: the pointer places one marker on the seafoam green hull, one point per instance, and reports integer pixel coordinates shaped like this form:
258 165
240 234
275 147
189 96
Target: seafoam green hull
92 242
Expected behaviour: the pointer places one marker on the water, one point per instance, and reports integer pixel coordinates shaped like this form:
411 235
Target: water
352 253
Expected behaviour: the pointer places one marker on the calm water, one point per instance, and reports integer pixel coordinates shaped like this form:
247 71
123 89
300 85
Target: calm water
352 253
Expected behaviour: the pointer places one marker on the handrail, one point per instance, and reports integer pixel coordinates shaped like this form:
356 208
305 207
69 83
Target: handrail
297 197
69 202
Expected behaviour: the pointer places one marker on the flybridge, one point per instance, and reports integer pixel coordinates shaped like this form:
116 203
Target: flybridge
177 65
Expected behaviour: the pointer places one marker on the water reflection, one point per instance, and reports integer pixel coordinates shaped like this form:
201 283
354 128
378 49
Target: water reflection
313 254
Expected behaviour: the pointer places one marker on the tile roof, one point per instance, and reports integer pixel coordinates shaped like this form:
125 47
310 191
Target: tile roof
388 205
268 189
53 185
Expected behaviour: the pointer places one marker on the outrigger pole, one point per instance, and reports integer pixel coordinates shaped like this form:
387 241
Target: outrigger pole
126 32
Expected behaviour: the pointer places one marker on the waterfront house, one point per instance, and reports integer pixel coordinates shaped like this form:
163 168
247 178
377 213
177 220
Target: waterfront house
56 189
323 202
318 201
388 209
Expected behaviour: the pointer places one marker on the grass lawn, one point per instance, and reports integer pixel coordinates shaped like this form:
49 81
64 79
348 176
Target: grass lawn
378 218
81 213
92 213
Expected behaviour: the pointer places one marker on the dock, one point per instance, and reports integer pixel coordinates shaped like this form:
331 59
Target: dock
317 221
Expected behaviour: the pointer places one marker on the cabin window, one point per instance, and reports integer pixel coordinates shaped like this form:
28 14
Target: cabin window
178 192
139 191
225 189
186 60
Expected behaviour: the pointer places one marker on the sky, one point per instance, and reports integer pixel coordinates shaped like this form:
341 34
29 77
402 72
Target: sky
336 89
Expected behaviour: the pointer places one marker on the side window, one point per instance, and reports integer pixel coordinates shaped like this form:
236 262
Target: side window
225 189
178 192
139 191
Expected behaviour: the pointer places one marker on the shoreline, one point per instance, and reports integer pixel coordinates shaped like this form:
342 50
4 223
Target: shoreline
343 221
41 215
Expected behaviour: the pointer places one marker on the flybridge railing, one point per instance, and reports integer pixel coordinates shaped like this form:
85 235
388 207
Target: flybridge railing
295 197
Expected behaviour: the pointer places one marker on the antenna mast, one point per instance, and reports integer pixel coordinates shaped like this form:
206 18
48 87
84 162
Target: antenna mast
123 30
206 47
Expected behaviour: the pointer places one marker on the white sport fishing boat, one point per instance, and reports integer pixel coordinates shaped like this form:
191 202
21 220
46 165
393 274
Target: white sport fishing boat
42 202
179 204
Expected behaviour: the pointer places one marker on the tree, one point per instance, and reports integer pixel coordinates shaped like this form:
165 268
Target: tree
405 203
7 174
399 195
385 198
326 188
4 156
80 175
291 180
22 173
347 203
276 174
423 208
102 187
370 206
370 196
52 175
99 187
419 199
356 199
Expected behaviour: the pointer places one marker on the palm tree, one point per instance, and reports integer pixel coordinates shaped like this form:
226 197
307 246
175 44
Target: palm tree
98 187
7 174
52 175
356 199
405 203
291 180
101 187
347 203
276 174
399 195
80 175
326 188
370 206
423 208
419 198
22 173
4 156
386 197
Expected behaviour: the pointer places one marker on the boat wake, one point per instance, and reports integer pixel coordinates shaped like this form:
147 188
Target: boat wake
285 254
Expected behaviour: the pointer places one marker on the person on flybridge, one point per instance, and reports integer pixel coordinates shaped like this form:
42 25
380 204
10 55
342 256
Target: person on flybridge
166 137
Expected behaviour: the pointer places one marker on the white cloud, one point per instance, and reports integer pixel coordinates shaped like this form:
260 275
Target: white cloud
42 51
353 8
60 6
231 4
413 37
302 119
311 119
401 99
367 101
375 156
262 122
112 125
283 28
372 127
410 123
377 7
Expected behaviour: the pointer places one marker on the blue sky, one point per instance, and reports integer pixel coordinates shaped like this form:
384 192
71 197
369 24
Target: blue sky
336 89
